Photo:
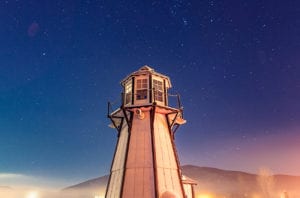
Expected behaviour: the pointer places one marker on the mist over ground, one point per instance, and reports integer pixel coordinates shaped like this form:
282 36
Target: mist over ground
211 183
44 193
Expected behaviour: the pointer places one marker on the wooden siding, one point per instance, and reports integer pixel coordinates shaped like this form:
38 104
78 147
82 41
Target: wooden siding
139 176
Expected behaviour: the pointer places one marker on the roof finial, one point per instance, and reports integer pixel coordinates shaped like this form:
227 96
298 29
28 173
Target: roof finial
146 68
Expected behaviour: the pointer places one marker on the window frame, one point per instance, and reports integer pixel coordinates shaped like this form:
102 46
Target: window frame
128 93
141 89
158 90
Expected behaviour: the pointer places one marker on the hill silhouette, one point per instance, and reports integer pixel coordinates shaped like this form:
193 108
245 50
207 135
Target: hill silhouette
212 182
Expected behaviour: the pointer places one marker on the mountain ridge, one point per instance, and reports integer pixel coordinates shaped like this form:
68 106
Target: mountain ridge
214 181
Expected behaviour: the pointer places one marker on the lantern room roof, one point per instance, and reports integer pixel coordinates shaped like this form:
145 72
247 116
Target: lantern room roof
146 70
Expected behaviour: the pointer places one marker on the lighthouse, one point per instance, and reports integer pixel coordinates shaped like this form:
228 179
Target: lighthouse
145 162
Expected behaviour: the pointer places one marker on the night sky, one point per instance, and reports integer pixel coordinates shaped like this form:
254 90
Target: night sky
234 63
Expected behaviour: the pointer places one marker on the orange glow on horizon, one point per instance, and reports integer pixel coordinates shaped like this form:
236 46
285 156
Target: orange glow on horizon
204 195
32 194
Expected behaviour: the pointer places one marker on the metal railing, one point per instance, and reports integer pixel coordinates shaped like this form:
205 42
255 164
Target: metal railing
177 103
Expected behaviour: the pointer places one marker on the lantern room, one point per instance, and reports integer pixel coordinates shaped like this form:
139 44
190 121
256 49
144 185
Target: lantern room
145 86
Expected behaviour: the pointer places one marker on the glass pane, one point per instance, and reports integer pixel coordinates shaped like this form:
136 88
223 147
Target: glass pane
141 94
128 98
138 84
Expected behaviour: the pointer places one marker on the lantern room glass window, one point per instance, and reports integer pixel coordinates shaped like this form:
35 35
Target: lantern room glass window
158 90
128 92
141 89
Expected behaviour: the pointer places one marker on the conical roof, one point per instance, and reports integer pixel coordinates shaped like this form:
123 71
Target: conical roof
146 68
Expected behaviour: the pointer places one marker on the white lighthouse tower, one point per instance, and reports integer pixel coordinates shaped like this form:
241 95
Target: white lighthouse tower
145 162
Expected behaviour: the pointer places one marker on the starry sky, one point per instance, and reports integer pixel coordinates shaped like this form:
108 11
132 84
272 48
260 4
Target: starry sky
235 64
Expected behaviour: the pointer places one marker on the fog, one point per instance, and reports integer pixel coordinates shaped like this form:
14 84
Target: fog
6 192
211 183
28 193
